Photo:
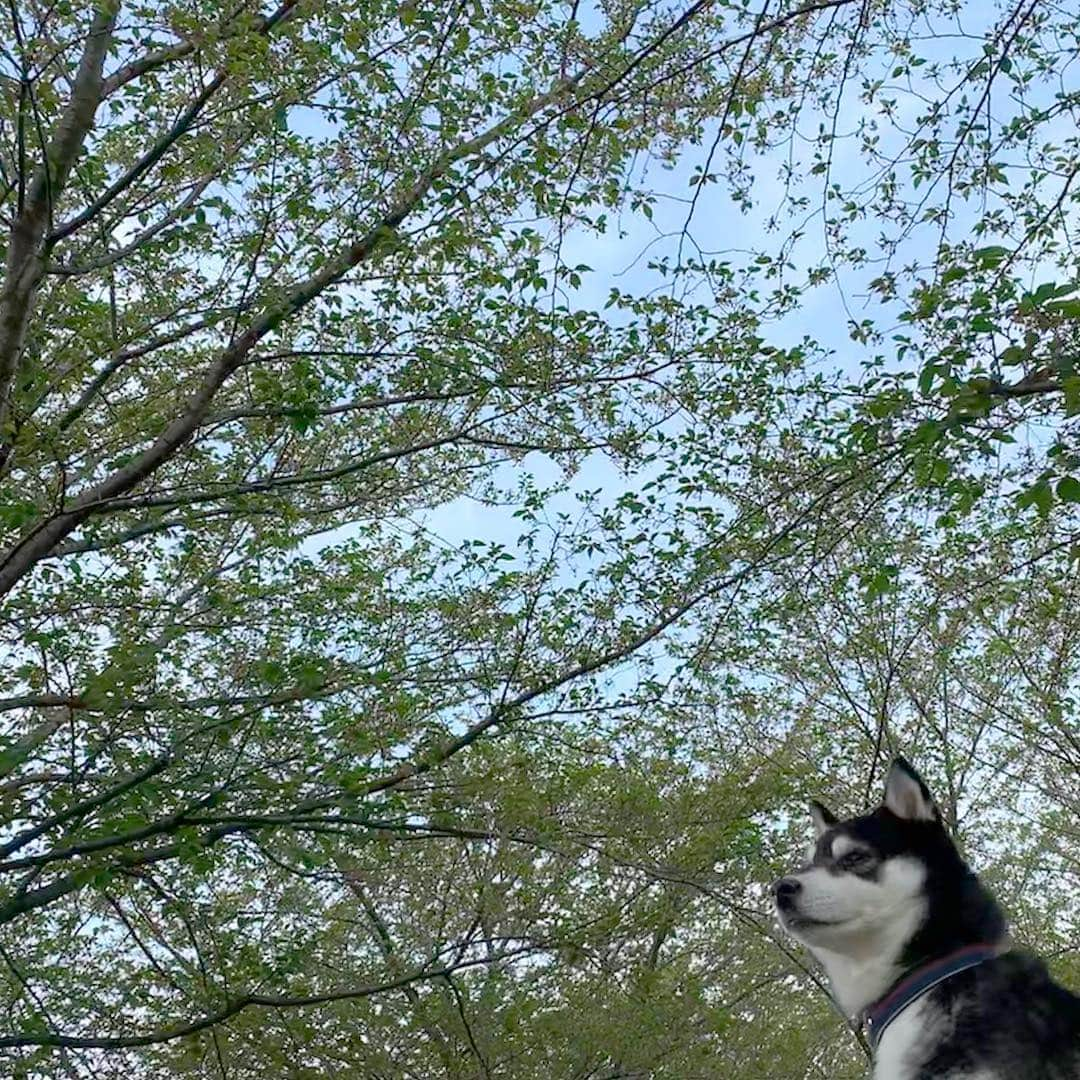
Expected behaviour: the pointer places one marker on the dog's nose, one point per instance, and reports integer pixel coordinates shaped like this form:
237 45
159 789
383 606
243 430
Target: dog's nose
786 889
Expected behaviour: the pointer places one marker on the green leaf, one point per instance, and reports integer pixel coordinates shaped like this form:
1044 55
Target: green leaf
1039 495
988 258
1069 309
1068 489
1070 384
926 379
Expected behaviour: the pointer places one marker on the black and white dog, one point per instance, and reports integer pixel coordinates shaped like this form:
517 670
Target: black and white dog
916 948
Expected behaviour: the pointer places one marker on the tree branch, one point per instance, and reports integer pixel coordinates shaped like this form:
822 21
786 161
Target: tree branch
163 145
248 1001
25 263
36 545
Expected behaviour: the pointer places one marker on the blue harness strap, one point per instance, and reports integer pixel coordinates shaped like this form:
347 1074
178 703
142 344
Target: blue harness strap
915 984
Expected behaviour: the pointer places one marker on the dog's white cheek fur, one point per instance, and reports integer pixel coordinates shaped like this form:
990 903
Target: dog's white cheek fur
861 956
834 898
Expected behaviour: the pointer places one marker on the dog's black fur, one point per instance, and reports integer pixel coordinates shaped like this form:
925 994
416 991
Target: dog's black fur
1010 1020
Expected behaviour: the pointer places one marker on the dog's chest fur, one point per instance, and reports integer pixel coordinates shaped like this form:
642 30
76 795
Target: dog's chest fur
908 1043
903 1046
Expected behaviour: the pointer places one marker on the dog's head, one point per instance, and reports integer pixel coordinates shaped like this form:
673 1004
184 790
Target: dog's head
884 891
865 889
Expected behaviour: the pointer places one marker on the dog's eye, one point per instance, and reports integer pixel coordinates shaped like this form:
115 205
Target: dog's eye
855 860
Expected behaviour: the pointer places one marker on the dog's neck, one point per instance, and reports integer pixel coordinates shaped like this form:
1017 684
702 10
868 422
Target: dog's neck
861 980
871 963
858 982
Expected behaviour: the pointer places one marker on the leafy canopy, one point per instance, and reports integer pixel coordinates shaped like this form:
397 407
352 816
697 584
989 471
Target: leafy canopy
468 471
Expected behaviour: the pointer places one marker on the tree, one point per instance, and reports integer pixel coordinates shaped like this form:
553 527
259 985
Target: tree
416 638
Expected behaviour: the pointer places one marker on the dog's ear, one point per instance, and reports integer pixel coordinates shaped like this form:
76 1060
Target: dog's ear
907 796
822 817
